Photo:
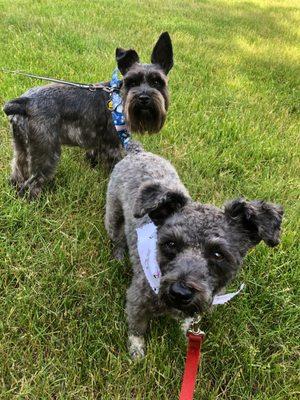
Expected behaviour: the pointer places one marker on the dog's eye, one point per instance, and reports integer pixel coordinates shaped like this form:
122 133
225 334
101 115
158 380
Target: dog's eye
131 83
218 256
157 82
170 248
170 245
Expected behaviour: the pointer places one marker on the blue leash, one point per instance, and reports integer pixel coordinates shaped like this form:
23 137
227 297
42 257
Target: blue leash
116 107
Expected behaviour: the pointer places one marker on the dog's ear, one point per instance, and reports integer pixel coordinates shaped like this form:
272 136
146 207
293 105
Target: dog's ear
125 59
162 53
257 219
158 202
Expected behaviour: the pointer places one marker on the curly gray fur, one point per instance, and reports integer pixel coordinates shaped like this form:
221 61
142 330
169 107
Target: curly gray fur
199 247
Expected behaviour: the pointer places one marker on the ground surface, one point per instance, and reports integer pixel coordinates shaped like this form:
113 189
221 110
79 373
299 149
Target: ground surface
231 131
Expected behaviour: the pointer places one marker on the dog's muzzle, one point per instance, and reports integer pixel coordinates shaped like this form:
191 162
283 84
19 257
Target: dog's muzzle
143 101
186 297
145 111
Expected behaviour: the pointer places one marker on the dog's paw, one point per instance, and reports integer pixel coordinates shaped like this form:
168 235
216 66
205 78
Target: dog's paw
136 347
34 193
119 253
92 158
14 182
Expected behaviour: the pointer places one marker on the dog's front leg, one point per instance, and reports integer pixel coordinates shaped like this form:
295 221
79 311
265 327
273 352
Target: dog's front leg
138 318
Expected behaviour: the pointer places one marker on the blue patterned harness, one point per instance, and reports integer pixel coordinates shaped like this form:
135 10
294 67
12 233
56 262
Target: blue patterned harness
116 106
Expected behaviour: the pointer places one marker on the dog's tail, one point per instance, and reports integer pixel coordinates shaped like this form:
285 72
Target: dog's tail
134 147
16 106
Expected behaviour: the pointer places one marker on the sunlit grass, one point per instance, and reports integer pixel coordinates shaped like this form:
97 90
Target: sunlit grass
232 130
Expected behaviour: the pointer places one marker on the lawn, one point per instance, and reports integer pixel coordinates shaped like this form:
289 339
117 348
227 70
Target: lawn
232 130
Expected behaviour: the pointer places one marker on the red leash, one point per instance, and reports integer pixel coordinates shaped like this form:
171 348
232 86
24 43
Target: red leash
193 359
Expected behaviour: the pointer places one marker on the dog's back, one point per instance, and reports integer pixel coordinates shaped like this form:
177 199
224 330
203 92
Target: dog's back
139 167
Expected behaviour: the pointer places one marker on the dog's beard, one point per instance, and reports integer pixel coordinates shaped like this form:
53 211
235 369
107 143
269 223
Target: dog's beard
196 306
145 118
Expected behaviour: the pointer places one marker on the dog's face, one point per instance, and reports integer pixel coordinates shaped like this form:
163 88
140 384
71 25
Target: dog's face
144 87
200 247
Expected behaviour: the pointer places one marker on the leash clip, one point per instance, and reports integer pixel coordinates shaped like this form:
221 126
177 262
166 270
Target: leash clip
92 88
108 89
194 328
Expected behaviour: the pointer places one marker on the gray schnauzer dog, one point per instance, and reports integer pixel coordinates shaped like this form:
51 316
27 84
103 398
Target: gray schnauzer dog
199 247
46 117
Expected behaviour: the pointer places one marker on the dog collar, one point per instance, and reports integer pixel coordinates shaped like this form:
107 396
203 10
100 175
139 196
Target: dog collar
115 105
146 246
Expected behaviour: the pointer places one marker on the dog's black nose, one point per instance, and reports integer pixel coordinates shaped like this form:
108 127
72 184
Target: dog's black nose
180 293
144 99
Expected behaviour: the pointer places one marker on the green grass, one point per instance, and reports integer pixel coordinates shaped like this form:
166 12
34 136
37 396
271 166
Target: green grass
232 130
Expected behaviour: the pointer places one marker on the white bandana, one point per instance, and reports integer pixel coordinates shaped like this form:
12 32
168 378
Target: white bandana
224 298
146 245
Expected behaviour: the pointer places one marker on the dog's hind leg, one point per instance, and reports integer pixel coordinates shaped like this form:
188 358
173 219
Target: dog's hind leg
92 156
107 155
114 223
20 167
44 154
111 155
110 150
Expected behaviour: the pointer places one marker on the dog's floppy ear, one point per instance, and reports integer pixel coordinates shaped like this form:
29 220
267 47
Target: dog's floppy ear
158 202
162 53
125 59
258 219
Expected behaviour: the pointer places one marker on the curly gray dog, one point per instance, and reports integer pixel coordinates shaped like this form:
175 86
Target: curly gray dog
199 249
46 117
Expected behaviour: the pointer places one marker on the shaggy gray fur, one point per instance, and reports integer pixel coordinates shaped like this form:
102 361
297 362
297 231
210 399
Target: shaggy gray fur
46 117
199 248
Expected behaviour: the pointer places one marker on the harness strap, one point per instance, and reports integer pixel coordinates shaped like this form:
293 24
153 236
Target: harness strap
116 107
193 359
